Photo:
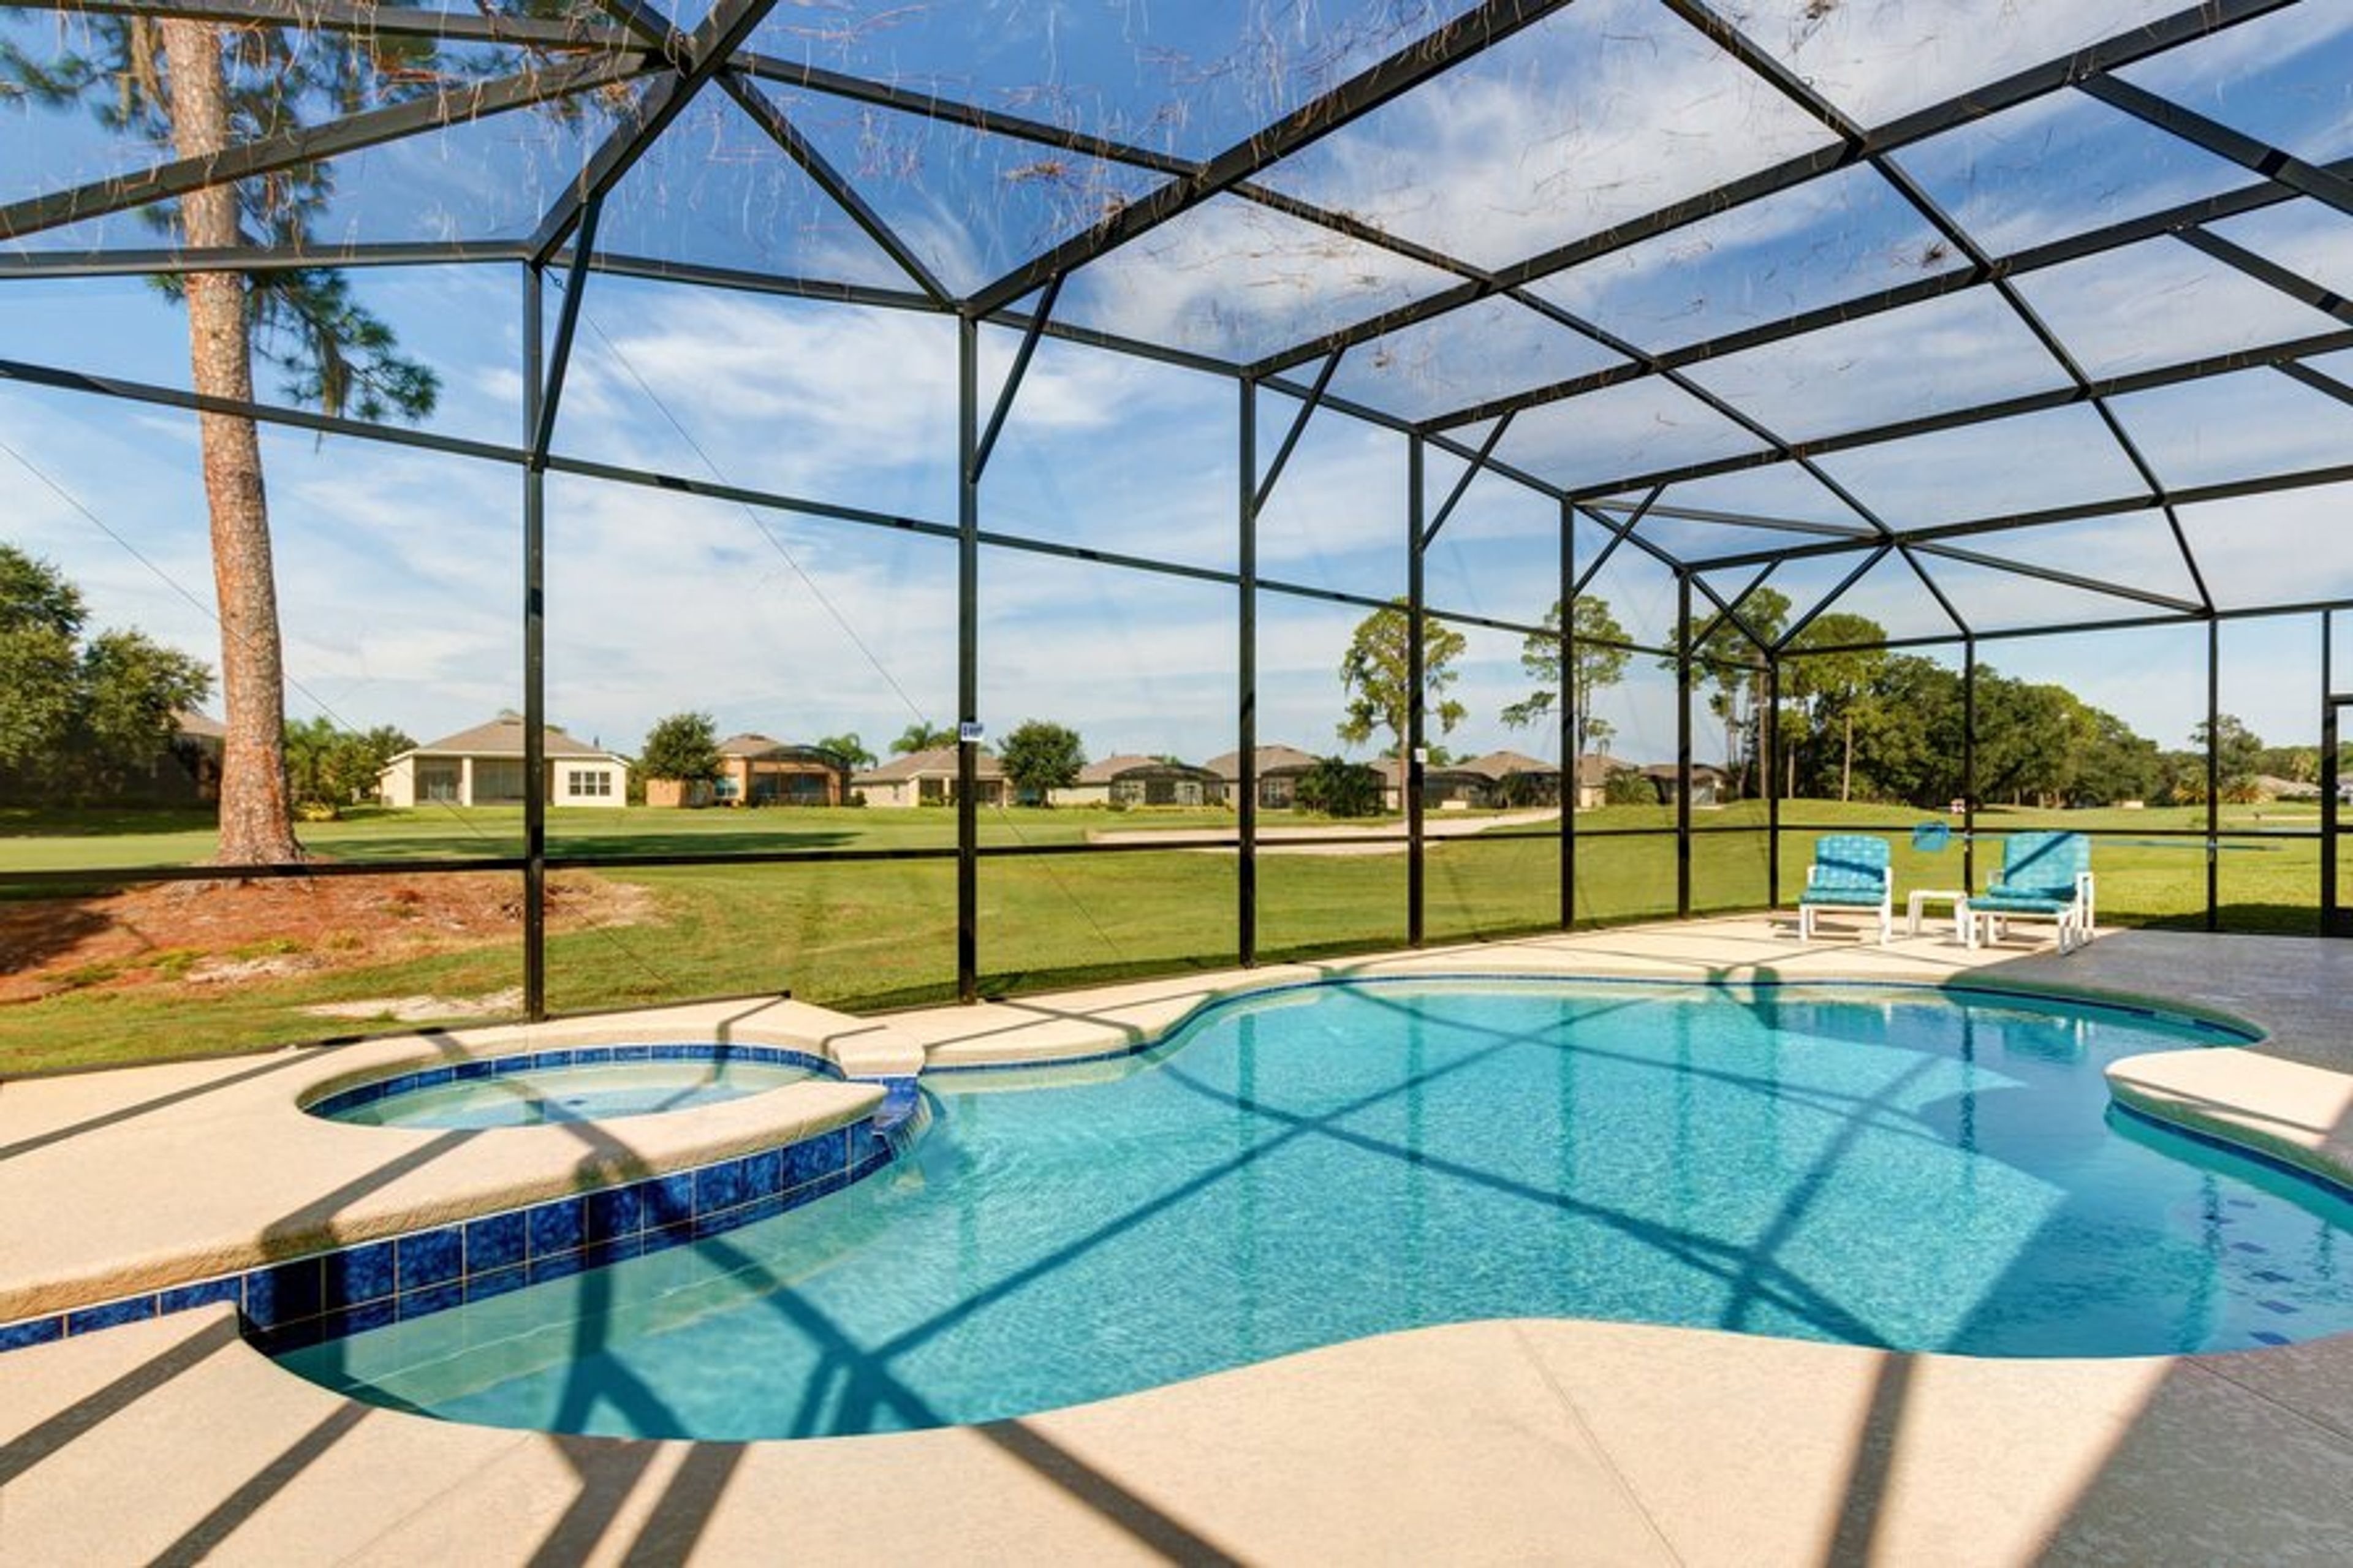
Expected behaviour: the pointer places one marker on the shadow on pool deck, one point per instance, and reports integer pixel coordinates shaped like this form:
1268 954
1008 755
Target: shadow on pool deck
1730 1449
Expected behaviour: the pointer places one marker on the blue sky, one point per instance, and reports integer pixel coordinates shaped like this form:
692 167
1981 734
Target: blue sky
399 570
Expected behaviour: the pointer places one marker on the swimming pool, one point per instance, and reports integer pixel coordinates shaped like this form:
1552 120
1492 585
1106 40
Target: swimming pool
1891 1166
590 1083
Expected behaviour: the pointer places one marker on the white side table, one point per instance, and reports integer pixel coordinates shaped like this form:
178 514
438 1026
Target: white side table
1956 897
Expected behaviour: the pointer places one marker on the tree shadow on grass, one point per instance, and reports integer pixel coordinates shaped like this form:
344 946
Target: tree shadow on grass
33 932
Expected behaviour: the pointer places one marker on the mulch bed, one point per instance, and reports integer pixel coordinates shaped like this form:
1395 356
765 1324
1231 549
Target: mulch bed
202 934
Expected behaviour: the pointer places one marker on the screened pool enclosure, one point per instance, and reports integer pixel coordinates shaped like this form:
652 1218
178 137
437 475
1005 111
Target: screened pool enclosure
834 368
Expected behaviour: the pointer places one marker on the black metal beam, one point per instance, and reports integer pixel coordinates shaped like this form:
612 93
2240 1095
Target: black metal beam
2065 579
1571 721
1307 407
2272 163
311 144
705 49
967 662
1683 652
772 284
1471 470
827 178
256 258
2325 384
2213 772
1796 628
1489 23
1969 764
1743 520
2264 270
2192 495
2052 76
1618 533
1246 679
1977 413
388 21
952 111
1416 698
2034 258
536 421
1012 387
567 325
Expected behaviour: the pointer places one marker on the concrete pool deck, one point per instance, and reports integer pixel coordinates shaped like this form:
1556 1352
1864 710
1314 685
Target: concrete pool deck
1538 1440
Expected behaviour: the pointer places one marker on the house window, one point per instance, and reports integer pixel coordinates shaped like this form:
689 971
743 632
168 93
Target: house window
582 783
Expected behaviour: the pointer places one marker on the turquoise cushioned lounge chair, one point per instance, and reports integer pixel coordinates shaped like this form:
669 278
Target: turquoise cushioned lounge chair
1850 872
2043 876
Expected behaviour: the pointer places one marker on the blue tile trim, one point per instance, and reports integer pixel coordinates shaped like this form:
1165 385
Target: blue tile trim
304 1300
577 1056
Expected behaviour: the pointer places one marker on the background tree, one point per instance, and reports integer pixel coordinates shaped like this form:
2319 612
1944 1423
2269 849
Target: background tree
1909 746
1630 786
1040 757
329 767
848 752
2239 752
1835 687
200 88
922 737
684 747
1337 787
1373 675
1597 665
81 721
41 616
1730 668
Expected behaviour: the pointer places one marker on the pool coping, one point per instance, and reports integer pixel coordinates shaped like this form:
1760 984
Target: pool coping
1623 1443
100 1214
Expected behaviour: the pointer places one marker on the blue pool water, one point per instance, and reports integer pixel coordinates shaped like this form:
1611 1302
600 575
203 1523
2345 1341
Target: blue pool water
597 1091
1886 1166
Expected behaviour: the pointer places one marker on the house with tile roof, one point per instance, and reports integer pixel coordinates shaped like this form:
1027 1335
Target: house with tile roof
755 770
484 766
927 778
1278 770
1133 780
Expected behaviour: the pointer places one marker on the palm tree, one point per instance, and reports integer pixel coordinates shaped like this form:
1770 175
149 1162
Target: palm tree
171 81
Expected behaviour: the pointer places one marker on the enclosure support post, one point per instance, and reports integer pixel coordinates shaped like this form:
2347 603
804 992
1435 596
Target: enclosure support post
2332 920
534 662
1771 764
1245 693
1571 721
1682 744
2213 772
967 659
1409 774
1969 762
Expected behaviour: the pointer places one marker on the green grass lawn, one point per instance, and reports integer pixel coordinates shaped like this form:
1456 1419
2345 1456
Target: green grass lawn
882 933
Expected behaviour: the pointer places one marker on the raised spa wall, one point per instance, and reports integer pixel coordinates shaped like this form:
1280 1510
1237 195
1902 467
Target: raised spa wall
330 1293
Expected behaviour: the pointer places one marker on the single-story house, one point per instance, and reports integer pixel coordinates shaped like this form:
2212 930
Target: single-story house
757 770
927 778
483 767
2270 786
1594 772
196 745
1452 786
1707 782
1517 778
1133 780
1278 769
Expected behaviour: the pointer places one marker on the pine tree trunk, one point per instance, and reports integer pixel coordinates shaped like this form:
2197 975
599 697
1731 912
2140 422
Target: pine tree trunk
256 824
1846 767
